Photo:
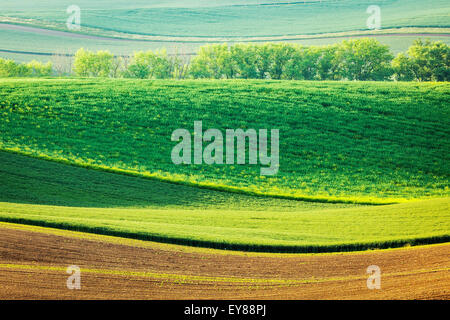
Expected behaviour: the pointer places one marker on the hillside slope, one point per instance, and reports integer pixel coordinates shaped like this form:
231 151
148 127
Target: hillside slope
314 230
351 142
86 200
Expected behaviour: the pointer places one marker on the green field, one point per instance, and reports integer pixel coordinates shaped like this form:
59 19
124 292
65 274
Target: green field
234 18
94 155
27 180
206 218
325 230
339 141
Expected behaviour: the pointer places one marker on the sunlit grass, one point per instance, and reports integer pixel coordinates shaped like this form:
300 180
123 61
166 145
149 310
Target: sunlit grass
339 142
321 230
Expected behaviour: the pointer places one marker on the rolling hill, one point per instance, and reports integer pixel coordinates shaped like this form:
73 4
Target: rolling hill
45 193
88 177
234 18
99 160
339 141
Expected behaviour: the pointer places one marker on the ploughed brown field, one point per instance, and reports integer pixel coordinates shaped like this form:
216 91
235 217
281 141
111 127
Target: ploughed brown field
33 262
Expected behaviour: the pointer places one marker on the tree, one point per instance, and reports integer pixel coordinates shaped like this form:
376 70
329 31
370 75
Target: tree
245 61
102 64
213 61
303 64
82 63
90 64
281 55
327 64
39 69
179 67
9 68
263 61
363 59
428 61
403 68
150 65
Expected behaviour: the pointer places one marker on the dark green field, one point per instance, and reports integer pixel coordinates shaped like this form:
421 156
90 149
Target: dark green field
33 181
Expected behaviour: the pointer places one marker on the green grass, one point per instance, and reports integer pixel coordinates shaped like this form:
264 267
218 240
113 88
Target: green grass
27 180
235 18
319 230
340 141
205 218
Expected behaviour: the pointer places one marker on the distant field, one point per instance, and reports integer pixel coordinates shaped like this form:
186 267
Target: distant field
340 141
233 18
183 26
35 42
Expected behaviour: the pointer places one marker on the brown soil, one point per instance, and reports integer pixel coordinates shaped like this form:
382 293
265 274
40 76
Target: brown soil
33 263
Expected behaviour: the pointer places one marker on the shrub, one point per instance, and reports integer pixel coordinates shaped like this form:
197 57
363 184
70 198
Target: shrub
150 65
90 64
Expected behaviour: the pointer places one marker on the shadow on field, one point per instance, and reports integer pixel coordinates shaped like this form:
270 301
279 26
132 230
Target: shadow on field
34 181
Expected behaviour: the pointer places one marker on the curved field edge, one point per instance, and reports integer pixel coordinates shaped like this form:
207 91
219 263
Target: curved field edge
170 178
186 249
420 264
385 227
237 247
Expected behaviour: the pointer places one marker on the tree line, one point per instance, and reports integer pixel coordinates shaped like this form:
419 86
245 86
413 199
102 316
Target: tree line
361 59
